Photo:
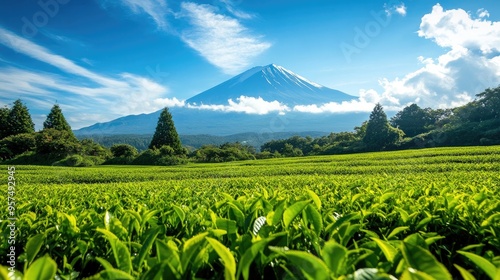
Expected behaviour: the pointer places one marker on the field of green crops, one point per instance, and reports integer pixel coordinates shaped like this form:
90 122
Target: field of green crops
417 214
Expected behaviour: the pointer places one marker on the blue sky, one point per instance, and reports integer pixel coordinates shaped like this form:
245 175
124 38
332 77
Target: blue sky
104 59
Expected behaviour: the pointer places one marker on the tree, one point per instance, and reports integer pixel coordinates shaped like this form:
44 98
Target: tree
413 120
379 133
4 122
485 107
56 120
19 119
166 134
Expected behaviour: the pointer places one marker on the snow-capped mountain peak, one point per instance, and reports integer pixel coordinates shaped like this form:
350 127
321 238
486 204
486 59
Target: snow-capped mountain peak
271 82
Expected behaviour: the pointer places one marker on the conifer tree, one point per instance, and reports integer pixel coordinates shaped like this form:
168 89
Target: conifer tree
166 134
379 133
19 119
56 120
4 122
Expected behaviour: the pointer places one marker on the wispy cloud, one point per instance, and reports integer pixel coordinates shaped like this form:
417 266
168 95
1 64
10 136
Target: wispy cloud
156 9
215 31
40 53
104 97
231 6
220 39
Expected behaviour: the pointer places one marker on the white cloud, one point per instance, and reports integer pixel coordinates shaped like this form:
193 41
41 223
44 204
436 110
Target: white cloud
245 104
365 103
401 10
221 40
482 13
156 9
398 9
107 97
457 29
334 107
169 102
471 64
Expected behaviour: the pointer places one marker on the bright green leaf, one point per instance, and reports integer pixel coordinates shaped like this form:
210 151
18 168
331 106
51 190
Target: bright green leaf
146 247
481 262
190 247
226 256
334 256
311 266
180 213
43 268
466 275
248 257
388 250
293 211
33 246
315 198
315 218
421 259
396 231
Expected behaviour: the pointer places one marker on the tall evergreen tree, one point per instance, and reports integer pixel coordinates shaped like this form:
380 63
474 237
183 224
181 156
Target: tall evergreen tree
165 133
379 133
55 119
4 122
19 119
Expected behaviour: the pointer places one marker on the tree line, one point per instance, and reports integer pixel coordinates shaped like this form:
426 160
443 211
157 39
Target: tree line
476 123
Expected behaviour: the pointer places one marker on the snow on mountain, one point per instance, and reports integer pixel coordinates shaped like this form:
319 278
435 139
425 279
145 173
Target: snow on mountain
271 83
262 100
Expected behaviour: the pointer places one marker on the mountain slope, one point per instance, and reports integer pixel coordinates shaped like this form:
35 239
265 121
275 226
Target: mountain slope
193 121
271 82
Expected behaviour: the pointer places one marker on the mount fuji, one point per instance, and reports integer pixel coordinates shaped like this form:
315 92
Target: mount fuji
211 111
271 83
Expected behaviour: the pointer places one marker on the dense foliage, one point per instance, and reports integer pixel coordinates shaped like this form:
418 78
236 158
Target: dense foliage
419 214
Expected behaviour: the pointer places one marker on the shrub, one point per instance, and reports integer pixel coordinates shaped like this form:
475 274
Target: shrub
91 148
14 145
56 142
123 150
